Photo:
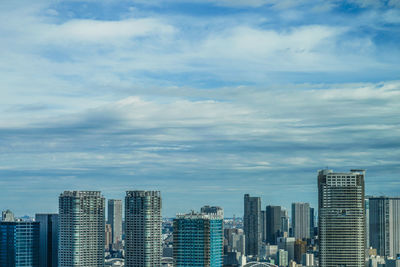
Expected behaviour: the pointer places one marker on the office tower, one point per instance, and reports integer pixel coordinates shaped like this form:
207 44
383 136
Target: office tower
287 244
198 240
384 225
143 243
7 216
81 230
115 219
238 242
48 239
285 224
273 223
367 241
19 244
307 259
312 222
300 247
283 259
213 210
341 219
263 225
108 236
252 224
301 220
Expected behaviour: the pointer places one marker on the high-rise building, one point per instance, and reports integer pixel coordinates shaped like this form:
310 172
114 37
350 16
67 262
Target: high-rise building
252 224
263 225
341 218
48 239
307 259
300 247
285 222
198 240
143 243
7 216
384 225
312 222
274 223
287 244
81 230
114 209
19 244
212 210
282 256
301 220
108 236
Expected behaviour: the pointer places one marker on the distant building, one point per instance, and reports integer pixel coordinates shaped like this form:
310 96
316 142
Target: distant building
300 248
198 240
115 219
285 225
19 244
212 210
301 220
263 218
274 222
143 239
108 236
307 259
252 224
7 216
82 224
287 244
48 239
341 218
283 259
312 222
384 225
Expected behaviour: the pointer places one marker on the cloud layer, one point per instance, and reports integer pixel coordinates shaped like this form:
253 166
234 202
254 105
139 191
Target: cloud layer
236 97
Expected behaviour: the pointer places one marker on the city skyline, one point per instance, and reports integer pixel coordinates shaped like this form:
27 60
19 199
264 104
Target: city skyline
197 99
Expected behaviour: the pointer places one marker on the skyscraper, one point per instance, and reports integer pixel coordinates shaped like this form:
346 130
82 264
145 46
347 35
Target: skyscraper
198 240
82 225
48 239
301 220
7 216
115 219
143 244
312 222
384 225
263 225
274 223
19 244
212 210
252 224
341 219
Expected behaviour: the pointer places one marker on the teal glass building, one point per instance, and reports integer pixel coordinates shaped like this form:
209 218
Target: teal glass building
19 244
198 240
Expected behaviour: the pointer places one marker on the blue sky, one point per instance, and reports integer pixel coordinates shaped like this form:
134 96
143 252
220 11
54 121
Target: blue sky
204 100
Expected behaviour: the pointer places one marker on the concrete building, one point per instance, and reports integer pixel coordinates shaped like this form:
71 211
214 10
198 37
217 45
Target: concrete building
7 216
274 222
285 222
114 210
212 210
263 219
82 224
341 220
301 220
198 240
300 248
283 259
384 225
252 224
143 239
307 260
287 244
19 244
108 237
48 239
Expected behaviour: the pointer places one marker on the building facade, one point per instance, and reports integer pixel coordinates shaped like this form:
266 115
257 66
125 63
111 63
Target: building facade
301 220
114 210
384 225
252 224
19 244
274 223
81 230
341 218
143 240
48 239
198 240
212 210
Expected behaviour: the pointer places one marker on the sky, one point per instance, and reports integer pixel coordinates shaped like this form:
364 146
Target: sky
204 100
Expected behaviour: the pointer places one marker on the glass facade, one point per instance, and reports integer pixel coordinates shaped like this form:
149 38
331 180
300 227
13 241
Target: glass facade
198 240
19 244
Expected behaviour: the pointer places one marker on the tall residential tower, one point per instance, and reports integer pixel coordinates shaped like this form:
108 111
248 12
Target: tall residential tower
341 220
82 224
143 244
252 224
115 219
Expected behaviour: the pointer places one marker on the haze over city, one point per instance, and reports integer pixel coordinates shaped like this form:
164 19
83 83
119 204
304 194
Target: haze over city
202 100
